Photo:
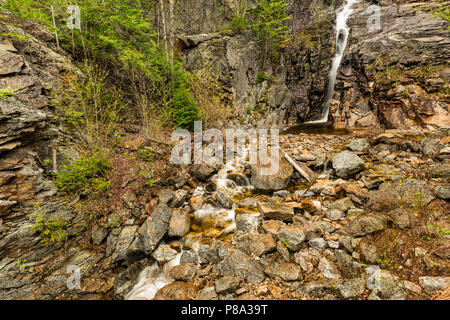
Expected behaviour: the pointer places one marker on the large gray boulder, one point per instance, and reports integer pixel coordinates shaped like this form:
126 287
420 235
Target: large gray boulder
347 164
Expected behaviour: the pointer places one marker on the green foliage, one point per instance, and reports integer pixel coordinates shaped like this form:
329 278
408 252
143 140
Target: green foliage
184 109
270 24
116 36
239 22
6 92
262 76
88 172
51 229
441 10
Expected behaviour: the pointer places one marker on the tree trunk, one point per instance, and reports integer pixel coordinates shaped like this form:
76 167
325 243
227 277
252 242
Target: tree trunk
163 21
172 32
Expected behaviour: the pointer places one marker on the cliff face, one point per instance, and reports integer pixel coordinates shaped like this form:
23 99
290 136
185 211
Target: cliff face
396 76
412 46
30 66
298 80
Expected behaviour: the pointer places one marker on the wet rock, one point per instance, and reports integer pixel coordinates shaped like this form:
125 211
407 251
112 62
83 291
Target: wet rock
248 222
227 284
224 200
155 227
179 223
351 288
442 192
270 210
347 164
239 179
183 272
248 203
286 271
164 253
126 280
292 237
239 264
430 284
263 181
282 193
196 203
303 193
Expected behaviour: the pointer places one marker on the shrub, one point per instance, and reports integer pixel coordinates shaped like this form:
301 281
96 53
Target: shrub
184 109
51 229
261 77
89 172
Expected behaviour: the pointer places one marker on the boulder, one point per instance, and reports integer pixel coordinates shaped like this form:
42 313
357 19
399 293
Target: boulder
272 210
179 223
286 271
292 237
183 272
262 181
227 284
238 264
347 164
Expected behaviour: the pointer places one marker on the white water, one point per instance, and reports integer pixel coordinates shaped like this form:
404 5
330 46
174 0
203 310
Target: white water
342 31
154 277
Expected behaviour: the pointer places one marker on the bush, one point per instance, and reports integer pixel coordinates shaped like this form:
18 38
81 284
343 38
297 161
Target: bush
89 172
184 109
51 229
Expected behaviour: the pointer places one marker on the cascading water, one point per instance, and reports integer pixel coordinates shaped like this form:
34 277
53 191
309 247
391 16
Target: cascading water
155 277
342 31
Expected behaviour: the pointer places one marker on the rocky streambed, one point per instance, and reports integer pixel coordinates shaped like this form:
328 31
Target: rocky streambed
316 235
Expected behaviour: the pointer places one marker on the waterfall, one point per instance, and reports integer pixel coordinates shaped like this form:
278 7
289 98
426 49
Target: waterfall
155 276
342 31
